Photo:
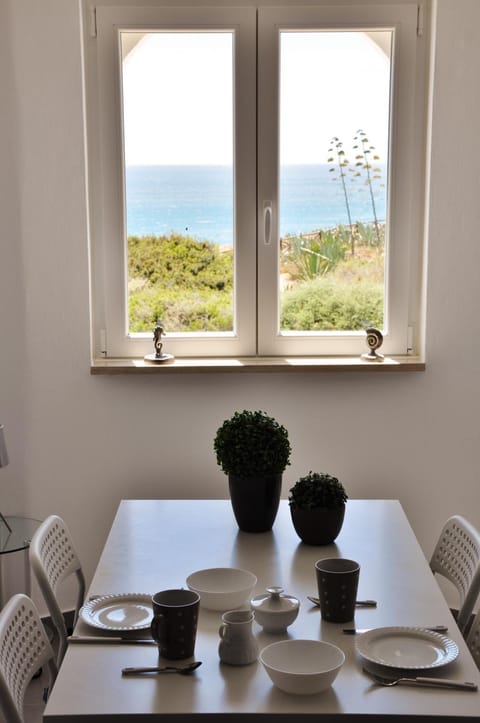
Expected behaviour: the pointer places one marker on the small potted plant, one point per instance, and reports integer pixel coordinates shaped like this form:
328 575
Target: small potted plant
253 449
317 505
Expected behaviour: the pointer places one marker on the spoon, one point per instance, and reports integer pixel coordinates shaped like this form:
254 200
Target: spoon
183 670
358 603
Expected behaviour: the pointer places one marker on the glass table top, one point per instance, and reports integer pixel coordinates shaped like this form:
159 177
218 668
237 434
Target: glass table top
20 536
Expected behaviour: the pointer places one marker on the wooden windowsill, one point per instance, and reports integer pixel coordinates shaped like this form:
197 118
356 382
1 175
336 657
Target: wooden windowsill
257 364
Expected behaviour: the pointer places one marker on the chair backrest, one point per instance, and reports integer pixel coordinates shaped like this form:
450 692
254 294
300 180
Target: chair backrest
24 649
53 558
473 640
457 557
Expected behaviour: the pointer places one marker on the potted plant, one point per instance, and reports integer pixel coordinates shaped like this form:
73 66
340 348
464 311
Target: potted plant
253 449
317 505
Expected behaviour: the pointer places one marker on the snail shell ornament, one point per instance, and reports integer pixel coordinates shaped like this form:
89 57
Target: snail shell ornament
374 342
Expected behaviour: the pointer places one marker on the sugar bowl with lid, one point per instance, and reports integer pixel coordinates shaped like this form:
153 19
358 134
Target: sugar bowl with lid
275 611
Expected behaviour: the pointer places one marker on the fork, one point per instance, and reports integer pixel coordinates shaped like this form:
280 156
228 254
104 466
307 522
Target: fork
421 682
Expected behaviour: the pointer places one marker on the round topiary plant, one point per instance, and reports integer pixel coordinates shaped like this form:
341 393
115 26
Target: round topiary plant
317 490
252 444
317 506
253 449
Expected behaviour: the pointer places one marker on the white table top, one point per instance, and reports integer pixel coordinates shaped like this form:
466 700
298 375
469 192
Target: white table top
155 544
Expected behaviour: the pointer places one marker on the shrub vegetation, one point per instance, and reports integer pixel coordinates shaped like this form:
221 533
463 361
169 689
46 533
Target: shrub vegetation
188 284
330 304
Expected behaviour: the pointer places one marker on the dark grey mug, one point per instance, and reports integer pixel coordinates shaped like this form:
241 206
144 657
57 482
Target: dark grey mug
337 581
174 623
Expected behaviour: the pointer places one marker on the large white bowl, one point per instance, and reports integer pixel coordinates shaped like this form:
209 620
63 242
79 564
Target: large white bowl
222 588
302 667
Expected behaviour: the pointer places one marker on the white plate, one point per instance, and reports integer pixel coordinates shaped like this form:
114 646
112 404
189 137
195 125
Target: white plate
131 611
407 648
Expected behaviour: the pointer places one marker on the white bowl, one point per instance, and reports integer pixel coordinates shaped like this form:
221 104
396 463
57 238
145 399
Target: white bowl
303 667
222 588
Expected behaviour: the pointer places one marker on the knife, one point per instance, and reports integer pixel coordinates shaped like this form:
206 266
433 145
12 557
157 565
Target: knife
101 639
182 669
359 631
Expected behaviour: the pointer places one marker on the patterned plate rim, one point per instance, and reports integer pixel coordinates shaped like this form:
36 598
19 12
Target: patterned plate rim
449 646
134 597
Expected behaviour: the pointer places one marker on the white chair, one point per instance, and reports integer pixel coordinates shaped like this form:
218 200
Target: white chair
473 639
24 649
457 558
53 558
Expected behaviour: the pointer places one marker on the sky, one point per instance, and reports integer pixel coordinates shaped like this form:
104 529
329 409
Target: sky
178 98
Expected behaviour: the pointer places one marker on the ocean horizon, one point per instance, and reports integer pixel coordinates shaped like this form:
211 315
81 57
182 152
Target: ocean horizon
197 200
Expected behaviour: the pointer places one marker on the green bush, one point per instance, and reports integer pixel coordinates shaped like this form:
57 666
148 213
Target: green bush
327 304
188 284
181 309
177 260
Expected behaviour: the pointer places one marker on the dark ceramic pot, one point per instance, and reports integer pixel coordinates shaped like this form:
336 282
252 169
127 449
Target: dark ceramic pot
255 501
319 526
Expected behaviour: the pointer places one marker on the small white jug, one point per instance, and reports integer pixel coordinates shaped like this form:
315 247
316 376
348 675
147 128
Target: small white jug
238 645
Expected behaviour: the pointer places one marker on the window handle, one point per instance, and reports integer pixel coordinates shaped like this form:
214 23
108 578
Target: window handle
267 222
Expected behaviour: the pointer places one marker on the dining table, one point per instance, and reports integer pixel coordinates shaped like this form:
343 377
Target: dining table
155 544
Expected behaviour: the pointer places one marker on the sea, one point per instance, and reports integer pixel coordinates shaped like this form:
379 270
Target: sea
198 200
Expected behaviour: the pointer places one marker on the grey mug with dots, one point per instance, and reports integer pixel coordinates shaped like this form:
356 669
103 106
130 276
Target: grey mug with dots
337 582
174 622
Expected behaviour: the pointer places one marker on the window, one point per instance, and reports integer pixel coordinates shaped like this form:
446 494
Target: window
255 178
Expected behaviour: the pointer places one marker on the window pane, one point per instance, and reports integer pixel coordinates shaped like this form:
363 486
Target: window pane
334 131
178 152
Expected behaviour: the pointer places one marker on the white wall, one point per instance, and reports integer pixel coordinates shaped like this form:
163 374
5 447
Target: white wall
79 443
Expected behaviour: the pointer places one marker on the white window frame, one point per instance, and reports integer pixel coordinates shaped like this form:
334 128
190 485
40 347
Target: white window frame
256 263
107 231
402 20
